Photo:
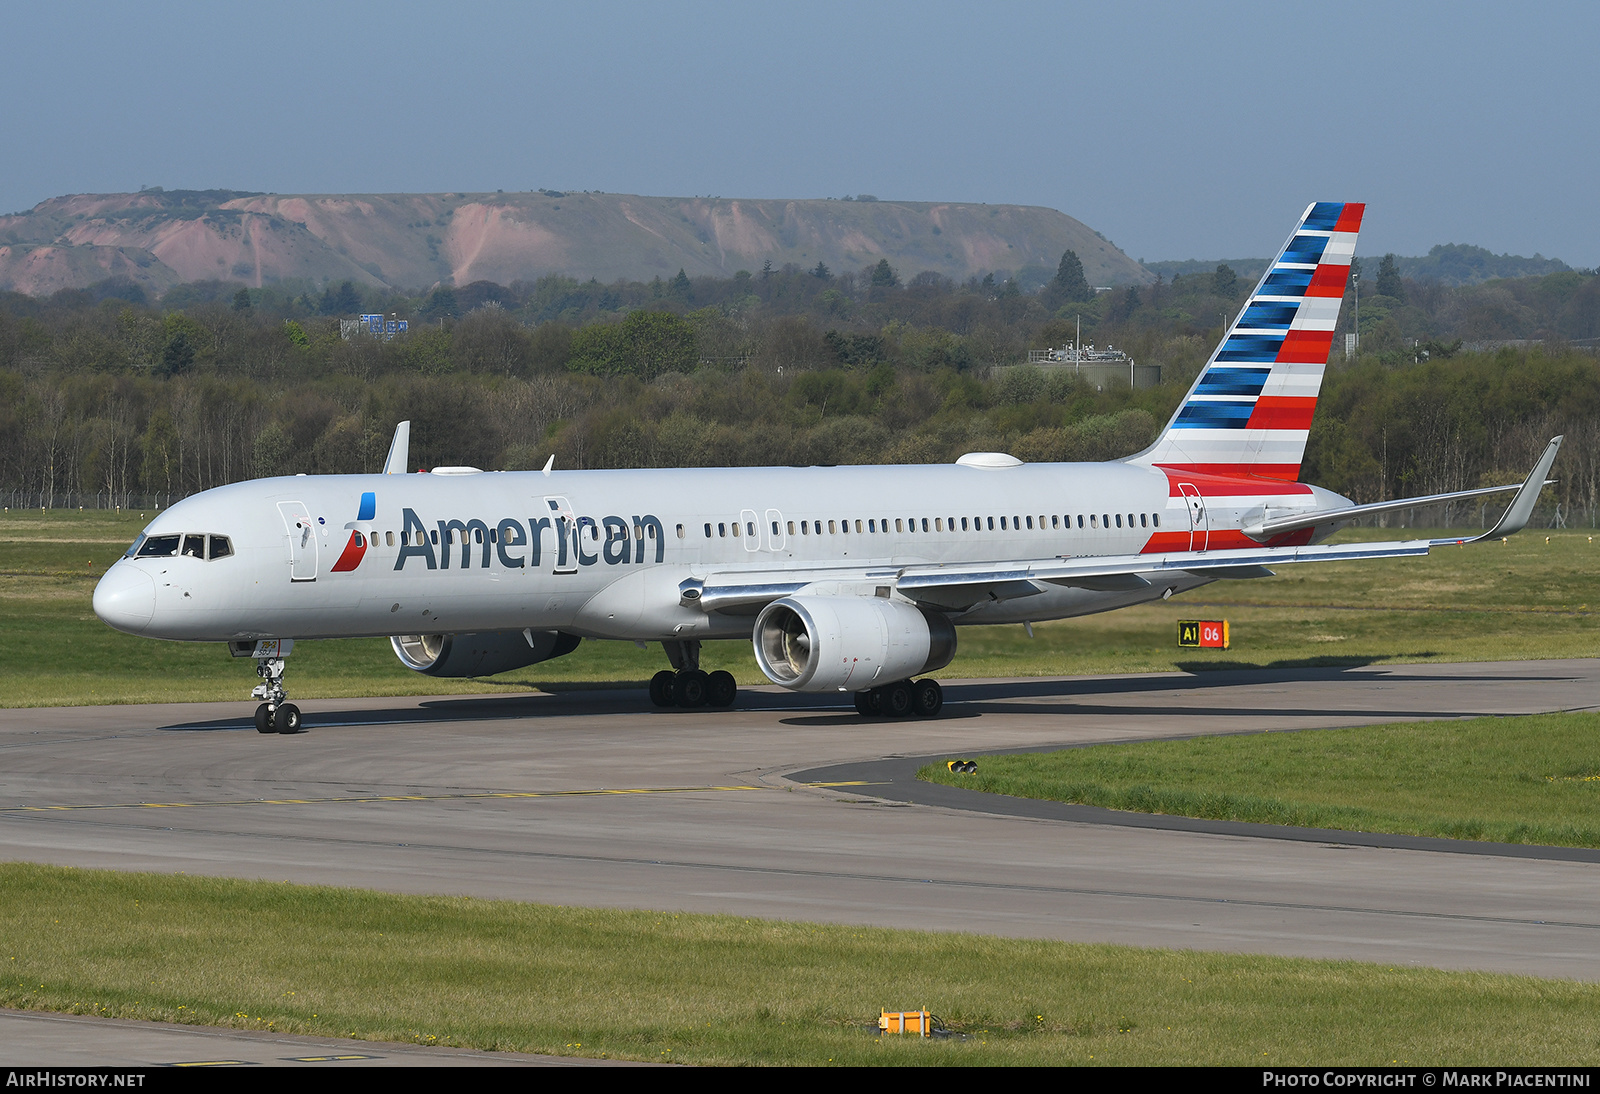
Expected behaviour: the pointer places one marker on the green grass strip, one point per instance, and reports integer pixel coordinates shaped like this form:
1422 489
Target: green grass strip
1507 780
726 990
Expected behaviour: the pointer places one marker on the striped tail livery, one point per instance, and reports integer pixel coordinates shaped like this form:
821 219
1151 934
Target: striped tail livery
1249 412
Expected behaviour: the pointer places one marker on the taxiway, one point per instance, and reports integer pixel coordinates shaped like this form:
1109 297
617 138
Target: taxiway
593 798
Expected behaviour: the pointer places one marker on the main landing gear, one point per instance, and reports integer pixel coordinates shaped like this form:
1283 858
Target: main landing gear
688 686
275 715
903 699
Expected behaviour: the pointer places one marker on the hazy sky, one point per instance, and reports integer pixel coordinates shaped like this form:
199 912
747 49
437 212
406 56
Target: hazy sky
1178 130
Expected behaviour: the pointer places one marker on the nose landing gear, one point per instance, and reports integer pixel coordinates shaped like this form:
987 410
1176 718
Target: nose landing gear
275 715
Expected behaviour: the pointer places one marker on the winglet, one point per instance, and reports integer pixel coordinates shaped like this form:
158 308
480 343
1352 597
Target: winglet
1515 518
1521 507
399 450
548 464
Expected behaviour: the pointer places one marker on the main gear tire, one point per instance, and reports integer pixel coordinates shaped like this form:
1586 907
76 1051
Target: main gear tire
927 698
661 688
721 688
897 699
286 719
690 688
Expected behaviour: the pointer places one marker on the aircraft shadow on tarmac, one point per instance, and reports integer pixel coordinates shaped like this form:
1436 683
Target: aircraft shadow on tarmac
963 699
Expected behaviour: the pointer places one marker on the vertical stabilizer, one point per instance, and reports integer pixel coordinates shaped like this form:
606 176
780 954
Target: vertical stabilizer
399 450
1249 412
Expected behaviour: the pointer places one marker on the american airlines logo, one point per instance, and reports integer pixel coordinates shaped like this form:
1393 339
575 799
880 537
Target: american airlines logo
356 548
572 541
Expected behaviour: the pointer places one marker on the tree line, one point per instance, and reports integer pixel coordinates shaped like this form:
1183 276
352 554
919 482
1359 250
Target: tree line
103 392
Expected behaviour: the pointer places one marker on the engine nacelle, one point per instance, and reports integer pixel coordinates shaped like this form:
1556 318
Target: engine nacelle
849 643
482 654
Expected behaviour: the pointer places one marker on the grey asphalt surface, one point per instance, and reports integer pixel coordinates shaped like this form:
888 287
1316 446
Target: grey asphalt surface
594 798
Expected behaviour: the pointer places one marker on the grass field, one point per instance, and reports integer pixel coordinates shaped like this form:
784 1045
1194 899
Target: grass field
1508 780
724 990
1522 599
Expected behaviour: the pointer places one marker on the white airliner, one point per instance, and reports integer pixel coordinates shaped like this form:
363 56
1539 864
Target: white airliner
845 579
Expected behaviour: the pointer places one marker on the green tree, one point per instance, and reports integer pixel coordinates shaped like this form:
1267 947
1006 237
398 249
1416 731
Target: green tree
646 345
241 300
178 357
1070 284
344 300
1224 282
883 276
441 303
160 446
821 272
1389 283
680 285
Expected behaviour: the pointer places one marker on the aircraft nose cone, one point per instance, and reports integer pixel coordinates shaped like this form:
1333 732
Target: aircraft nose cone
125 598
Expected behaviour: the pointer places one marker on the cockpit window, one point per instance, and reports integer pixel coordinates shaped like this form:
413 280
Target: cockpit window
133 548
159 546
220 547
194 546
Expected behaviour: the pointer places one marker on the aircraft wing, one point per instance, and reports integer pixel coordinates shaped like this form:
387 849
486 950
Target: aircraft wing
957 586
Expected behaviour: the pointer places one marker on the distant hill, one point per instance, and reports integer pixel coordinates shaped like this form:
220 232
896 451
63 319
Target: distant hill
1248 269
1464 264
1450 263
412 241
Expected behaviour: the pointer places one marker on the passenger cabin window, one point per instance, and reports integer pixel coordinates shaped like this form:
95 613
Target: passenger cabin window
388 539
680 531
1156 517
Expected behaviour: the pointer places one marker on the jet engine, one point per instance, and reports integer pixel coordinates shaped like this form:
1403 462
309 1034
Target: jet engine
849 643
481 654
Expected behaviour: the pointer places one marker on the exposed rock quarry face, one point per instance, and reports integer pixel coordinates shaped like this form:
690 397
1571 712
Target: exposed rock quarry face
412 241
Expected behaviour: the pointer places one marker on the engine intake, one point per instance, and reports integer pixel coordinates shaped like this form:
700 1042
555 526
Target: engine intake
848 643
481 654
